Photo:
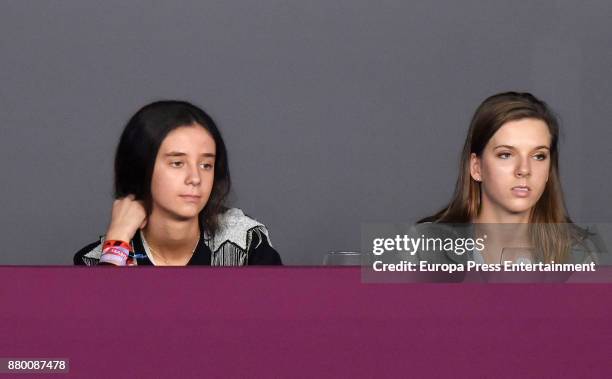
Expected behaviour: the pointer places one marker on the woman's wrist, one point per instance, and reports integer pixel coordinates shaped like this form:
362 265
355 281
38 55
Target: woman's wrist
119 235
115 252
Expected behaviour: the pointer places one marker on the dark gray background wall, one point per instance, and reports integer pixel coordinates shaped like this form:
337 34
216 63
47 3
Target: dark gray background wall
334 112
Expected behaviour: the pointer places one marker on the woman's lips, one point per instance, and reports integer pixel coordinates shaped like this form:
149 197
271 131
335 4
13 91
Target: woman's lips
191 198
521 191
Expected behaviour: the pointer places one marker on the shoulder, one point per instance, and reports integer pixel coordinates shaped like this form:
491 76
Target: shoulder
588 245
241 239
235 218
237 228
89 255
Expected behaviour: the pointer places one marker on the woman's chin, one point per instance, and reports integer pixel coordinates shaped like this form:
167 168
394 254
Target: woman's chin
519 211
186 214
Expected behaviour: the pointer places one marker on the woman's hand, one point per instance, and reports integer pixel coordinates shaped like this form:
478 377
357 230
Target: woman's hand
127 217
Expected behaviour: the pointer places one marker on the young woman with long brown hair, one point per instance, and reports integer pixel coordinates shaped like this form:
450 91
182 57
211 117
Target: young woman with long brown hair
508 185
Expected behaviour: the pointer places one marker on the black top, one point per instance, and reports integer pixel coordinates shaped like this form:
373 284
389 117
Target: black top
259 253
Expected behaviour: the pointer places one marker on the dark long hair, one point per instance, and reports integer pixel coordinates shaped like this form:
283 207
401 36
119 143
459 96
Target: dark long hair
552 230
139 145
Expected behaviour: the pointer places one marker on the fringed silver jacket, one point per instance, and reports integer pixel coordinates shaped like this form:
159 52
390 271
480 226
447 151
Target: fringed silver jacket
239 241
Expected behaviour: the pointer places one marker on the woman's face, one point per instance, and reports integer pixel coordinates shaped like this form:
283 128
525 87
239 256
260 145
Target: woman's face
513 168
183 174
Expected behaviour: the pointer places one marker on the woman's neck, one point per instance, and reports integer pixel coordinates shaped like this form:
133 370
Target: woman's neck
502 231
172 240
488 215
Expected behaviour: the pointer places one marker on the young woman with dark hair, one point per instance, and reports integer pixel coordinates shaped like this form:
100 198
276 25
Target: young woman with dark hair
171 182
509 174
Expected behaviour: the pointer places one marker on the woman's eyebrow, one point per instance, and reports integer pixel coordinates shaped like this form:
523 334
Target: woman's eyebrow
512 147
181 154
504 146
175 154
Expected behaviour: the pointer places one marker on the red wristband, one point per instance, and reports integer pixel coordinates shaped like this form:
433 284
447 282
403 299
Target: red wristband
117 243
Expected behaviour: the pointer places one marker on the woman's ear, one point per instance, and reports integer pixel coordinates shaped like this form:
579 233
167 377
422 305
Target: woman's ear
475 170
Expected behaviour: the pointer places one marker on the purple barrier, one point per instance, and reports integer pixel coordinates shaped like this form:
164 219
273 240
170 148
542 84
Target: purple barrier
299 322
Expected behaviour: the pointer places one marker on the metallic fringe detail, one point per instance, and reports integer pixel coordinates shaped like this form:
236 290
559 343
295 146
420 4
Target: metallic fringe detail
229 254
90 261
93 257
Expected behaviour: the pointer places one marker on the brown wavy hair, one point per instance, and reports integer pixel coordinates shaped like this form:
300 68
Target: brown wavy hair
551 230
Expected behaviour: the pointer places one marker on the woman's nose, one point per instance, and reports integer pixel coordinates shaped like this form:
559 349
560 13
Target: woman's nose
193 176
523 170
